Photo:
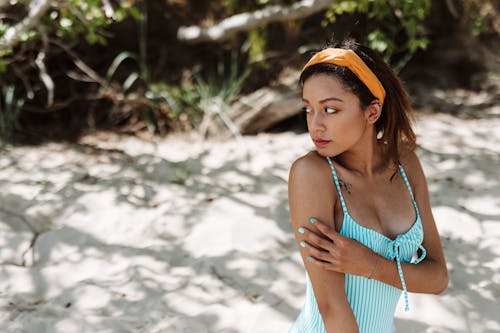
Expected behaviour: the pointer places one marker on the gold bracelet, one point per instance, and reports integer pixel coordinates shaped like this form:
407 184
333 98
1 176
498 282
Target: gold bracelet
374 267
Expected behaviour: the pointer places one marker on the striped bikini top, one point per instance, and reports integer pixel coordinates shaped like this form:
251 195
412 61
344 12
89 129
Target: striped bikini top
400 249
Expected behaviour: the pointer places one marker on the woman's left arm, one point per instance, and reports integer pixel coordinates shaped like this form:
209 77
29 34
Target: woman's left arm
430 275
346 255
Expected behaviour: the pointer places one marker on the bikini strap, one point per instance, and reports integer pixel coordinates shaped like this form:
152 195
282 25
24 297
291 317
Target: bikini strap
337 185
405 178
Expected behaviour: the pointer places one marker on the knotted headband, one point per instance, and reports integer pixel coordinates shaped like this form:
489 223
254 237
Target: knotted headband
349 59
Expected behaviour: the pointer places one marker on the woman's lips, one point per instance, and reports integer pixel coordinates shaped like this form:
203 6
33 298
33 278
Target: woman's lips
320 143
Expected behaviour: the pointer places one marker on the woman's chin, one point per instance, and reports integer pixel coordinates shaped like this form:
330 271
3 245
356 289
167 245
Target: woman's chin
323 152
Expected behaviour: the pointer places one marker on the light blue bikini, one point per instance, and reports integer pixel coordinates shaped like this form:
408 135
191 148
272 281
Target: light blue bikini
373 302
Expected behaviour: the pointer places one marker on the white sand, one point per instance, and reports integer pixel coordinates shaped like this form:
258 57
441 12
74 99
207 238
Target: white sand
180 235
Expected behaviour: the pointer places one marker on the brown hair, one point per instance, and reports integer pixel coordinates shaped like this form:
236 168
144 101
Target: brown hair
395 121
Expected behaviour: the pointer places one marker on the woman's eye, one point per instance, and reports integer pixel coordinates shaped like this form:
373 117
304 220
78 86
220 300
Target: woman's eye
330 110
306 109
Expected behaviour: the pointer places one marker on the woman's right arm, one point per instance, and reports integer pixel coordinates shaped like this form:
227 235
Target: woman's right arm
309 195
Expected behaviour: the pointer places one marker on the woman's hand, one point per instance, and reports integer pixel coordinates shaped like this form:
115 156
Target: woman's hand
331 251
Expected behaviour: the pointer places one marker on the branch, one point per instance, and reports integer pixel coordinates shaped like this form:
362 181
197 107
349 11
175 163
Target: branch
228 27
44 75
108 9
82 65
36 11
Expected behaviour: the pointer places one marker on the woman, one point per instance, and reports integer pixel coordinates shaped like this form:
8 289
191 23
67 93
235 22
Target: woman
359 203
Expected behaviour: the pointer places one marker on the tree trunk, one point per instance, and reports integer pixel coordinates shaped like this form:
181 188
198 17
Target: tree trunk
230 26
264 108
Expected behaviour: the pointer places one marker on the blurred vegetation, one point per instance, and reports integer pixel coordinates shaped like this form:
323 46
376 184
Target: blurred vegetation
118 64
393 27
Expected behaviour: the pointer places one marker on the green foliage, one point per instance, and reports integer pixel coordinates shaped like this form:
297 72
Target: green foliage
256 45
72 19
149 102
213 93
3 66
65 24
75 18
190 89
480 16
10 106
185 105
388 21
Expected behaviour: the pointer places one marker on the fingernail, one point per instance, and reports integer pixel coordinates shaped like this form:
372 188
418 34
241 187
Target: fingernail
309 259
301 230
312 220
303 244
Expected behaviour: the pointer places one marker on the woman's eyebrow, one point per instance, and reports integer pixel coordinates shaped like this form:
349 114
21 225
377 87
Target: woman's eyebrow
325 99
330 99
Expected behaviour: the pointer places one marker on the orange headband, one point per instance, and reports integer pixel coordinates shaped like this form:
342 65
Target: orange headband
349 59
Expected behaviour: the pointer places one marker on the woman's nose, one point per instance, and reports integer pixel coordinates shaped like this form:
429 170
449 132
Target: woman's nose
316 122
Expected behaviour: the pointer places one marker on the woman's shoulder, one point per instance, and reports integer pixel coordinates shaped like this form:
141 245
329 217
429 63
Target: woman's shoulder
413 168
311 164
311 181
311 169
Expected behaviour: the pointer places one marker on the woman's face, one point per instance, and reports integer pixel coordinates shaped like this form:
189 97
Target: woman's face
335 119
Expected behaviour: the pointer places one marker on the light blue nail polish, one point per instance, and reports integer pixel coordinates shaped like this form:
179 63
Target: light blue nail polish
309 259
301 230
311 220
303 244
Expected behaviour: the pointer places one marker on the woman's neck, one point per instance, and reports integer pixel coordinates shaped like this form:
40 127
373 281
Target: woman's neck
367 159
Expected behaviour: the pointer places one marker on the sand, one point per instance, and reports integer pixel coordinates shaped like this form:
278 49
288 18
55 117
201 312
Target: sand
119 234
